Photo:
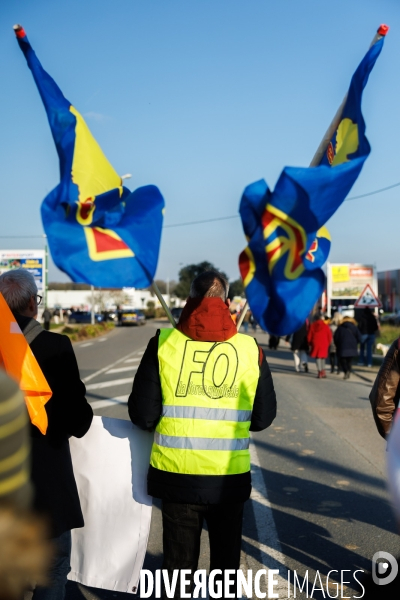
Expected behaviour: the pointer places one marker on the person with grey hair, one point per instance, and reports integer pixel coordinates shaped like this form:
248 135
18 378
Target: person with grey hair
69 414
203 387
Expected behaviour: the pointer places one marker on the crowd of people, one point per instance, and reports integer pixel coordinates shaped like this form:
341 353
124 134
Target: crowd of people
334 339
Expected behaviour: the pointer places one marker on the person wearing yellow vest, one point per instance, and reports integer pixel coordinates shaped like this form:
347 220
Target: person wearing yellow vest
68 414
202 387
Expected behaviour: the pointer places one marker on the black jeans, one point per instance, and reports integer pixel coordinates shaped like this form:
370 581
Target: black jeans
182 525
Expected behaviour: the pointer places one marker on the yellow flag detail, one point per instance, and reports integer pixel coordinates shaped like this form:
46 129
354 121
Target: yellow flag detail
346 141
91 171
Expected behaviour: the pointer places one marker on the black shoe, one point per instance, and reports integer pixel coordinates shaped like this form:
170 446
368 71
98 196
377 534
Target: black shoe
305 365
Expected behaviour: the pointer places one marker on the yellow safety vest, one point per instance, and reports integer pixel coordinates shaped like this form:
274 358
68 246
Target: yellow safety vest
208 390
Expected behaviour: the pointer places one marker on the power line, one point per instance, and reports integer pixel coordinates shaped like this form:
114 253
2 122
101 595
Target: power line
375 192
237 216
204 221
389 187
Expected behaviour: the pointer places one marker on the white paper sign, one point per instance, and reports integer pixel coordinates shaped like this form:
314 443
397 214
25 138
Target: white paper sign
110 465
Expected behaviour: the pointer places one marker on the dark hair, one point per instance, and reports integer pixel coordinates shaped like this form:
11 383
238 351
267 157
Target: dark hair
209 284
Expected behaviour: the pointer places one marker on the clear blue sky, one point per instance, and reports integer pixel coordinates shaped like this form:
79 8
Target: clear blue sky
201 98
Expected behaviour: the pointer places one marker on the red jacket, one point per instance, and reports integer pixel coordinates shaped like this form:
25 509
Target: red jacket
319 337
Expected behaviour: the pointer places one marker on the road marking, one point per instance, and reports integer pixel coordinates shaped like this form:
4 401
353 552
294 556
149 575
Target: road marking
102 340
87 344
269 544
104 369
121 369
109 402
132 360
104 384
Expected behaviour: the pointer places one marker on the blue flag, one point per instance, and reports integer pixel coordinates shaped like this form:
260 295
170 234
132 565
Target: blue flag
98 231
287 240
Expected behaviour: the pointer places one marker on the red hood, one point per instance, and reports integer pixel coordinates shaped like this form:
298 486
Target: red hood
207 320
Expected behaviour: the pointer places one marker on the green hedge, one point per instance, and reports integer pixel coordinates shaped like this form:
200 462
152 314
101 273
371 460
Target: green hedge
78 333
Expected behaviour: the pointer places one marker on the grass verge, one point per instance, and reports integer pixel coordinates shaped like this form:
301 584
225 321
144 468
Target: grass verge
78 333
388 334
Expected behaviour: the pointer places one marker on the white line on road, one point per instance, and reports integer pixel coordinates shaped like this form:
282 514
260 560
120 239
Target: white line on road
121 369
109 402
87 344
132 360
269 544
104 384
102 340
104 369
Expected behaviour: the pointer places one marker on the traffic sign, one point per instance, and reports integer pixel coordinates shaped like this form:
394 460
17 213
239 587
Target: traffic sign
368 298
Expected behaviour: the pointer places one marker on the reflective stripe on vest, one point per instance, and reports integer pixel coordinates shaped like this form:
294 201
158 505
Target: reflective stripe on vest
208 391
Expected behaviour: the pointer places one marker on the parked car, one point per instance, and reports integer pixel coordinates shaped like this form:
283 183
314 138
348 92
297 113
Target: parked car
176 313
132 317
84 316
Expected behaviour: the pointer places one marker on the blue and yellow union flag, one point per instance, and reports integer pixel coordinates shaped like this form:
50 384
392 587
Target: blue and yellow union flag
98 231
288 242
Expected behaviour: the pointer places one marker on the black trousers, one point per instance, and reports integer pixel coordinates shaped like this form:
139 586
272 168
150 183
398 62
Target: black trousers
345 363
182 526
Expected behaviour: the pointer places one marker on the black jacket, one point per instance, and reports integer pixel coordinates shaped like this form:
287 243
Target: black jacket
145 406
346 338
69 414
367 323
299 339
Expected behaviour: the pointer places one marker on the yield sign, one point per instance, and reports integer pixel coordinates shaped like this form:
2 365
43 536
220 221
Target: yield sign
368 298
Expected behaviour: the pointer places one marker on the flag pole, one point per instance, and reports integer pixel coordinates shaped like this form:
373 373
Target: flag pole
382 31
163 304
242 315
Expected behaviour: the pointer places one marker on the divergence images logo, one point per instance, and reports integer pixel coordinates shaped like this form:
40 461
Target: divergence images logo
384 568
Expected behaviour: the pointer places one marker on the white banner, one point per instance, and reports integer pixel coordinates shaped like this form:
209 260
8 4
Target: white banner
110 466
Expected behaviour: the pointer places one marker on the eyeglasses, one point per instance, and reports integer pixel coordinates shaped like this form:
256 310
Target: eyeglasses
38 299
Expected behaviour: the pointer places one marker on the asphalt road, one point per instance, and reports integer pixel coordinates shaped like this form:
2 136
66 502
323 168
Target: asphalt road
319 499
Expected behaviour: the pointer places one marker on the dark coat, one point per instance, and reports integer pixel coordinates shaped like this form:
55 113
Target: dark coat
367 323
347 336
69 414
299 339
203 320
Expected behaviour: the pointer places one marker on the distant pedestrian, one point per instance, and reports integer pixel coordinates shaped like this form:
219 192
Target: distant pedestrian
299 347
246 321
346 338
368 327
253 322
333 325
273 342
319 337
46 316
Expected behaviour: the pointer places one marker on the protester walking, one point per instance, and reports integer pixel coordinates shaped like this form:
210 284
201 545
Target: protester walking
246 321
46 316
273 342
299 347
368 326
69 414
333 358
203 387
346 338
319 338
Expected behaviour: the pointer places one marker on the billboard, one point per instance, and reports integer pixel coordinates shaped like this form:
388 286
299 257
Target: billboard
32 260
346 281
